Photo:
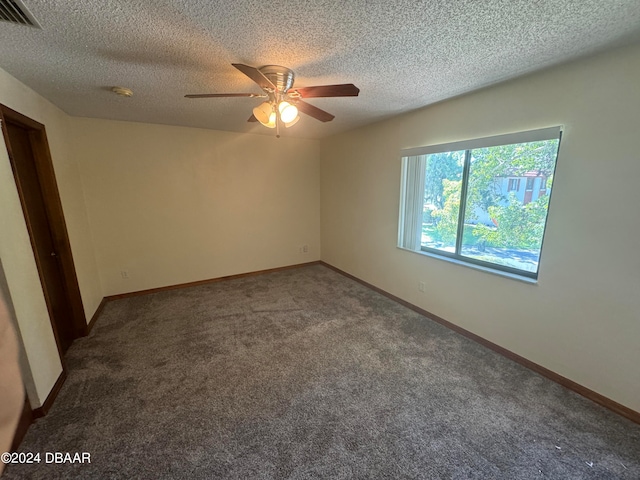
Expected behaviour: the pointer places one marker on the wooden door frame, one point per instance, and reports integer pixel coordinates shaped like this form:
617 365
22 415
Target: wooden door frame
77 325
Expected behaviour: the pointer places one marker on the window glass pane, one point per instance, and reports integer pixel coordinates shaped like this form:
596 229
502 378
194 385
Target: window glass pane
443 183
530 182
504 224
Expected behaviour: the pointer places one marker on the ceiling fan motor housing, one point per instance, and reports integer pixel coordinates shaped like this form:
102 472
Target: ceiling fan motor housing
281 77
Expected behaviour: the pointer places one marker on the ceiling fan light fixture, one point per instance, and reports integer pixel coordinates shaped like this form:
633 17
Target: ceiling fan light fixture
272 121
292 122
288 112
266 114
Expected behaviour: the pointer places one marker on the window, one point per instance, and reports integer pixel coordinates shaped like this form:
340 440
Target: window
514 185
530 182
463 200
543 185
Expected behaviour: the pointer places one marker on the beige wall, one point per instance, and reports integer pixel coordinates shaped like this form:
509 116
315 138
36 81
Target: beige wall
167 204
582 319
15 248
171 205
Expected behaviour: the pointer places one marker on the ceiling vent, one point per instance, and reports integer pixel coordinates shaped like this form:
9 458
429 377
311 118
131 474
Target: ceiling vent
15 12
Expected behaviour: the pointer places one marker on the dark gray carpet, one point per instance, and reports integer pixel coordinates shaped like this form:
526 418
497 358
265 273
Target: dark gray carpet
306 374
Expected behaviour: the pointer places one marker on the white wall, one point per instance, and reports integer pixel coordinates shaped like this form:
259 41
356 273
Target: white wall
15 247
171 205
582 320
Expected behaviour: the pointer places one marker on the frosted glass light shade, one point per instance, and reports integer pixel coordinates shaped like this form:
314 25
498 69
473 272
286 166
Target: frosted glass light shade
265 114
292 122
288 112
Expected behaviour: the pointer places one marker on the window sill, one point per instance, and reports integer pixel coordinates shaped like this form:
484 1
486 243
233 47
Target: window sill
513 276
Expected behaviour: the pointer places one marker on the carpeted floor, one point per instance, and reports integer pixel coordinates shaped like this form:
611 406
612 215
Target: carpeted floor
304 373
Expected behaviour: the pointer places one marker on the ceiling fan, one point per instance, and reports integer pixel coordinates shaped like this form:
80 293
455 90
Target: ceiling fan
283 100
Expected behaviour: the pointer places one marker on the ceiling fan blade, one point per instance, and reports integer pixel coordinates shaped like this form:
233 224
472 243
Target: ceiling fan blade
342 90
314 112
255 75
219 95
252 118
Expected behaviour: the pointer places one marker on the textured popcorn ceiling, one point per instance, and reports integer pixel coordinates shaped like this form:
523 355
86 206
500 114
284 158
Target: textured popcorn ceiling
401 54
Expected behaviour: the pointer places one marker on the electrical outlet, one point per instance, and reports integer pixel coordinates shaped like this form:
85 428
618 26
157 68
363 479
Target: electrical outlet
421 287
124 274
305 248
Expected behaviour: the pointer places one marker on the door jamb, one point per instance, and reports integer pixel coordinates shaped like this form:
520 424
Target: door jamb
53 206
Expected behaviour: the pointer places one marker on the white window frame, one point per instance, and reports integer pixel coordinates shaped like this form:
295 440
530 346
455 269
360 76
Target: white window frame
413 175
